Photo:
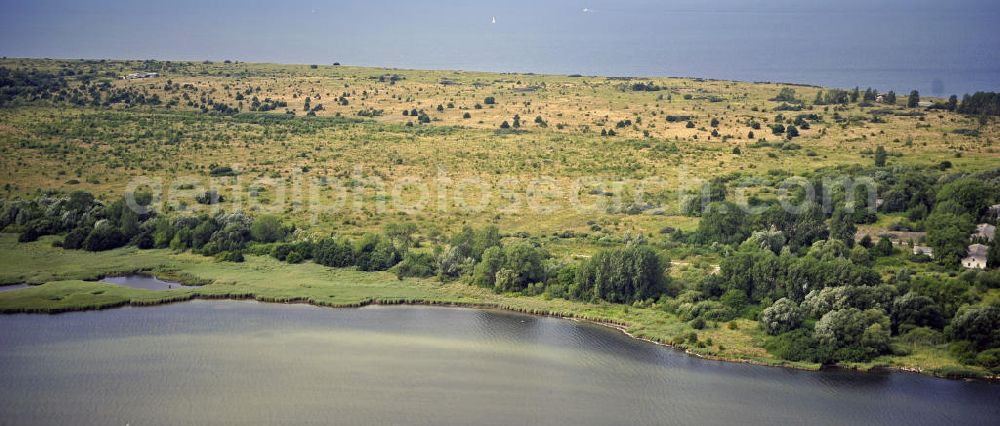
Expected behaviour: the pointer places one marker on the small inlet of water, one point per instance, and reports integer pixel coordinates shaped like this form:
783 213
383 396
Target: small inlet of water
143 281
13 287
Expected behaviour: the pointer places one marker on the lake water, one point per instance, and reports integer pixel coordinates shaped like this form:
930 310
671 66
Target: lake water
224 362
145 282
938 47
13 287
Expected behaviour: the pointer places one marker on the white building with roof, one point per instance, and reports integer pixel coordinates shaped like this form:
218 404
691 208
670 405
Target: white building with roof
140 75
976 258
924 250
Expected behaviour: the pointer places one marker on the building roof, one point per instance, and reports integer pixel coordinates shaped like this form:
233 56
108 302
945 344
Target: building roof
985 230
136 75
978 250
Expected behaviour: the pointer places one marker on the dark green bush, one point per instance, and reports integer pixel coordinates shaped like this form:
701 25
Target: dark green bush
374 252
334 253
419 265
797 345
295 257
74 239
230 256
267 229
104 236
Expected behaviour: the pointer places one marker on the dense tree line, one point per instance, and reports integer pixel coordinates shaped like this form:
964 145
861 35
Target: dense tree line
79 89
800 274
29 85
813 289
621 275
980 103
828 306
630 274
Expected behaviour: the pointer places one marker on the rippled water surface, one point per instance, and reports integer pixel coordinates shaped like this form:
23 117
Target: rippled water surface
217 362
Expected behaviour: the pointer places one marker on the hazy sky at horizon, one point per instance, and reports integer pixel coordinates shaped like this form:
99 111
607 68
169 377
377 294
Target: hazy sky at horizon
898 42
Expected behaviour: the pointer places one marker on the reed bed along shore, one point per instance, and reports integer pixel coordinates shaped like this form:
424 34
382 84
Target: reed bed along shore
616 324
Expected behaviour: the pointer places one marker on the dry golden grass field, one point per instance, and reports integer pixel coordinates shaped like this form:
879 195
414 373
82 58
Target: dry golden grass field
550 175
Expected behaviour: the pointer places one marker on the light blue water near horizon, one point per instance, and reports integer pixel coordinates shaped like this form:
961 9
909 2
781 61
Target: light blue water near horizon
937 47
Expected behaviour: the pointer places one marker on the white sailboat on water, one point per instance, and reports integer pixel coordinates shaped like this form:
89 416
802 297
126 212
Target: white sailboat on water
494 20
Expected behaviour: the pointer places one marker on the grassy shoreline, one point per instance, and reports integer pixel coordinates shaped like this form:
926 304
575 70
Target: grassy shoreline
70 286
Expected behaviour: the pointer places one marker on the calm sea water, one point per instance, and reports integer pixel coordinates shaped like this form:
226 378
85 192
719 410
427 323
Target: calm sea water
224 362
938 47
